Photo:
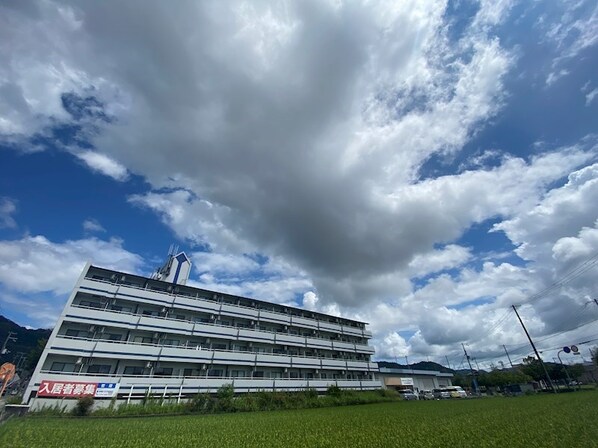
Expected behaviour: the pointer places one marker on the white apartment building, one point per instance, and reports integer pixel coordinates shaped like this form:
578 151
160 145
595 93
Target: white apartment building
126 336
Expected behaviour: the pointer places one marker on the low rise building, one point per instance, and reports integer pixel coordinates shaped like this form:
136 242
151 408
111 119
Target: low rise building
416 380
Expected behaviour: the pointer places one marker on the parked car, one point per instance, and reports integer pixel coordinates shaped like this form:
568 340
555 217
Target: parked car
426 395
456 392
441 394
408 395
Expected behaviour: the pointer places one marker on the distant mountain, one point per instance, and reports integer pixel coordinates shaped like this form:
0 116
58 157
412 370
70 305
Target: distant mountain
422 365
26 339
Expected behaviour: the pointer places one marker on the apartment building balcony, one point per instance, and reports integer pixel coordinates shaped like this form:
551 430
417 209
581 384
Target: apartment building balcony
127 350
131 321
170 300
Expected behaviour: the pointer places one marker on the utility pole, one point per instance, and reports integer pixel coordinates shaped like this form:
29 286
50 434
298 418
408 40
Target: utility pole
535 351
508 357
475 381
448 363
9 338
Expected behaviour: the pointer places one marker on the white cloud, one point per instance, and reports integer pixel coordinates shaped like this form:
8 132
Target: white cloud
103 164
555 76
260 145
563 212
36 274
8 208
449 257
36 264
93 225
393 346
574 30
590 96
581 247
223 264
310 300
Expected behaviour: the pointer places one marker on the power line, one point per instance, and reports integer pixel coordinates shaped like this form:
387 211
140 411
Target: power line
500 321
568 277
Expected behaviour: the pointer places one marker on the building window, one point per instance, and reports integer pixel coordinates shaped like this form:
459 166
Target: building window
90 304
62 367
219 347
133 370
99 368
174 342
215 372
143 339
114 337
72 333
163 371
258 374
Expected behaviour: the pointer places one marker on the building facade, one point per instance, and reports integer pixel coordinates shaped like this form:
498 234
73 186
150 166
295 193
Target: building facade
416 380
125 336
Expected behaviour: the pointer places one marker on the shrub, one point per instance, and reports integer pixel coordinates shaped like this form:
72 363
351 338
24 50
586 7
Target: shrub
311 394
198 404
246 403
388 393
14 399
83 406
225 396
334 391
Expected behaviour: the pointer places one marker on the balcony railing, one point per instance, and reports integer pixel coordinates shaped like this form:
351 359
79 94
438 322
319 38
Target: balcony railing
366 365
137 387
203 299
360 347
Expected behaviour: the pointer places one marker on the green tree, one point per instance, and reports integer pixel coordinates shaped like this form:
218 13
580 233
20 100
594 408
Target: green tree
460 380
533 368
501 378
575 371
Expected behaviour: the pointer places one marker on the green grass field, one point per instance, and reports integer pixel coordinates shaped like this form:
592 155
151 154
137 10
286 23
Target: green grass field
564 420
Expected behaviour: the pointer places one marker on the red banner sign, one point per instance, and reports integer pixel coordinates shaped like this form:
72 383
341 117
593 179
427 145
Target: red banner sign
65 389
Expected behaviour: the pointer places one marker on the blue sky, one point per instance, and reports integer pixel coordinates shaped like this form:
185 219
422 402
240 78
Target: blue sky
418 165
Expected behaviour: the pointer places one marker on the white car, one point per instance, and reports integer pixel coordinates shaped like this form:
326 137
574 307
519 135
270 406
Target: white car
456 392
441 394
408 395
426 395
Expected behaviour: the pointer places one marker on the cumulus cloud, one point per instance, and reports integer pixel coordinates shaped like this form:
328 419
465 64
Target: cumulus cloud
36 271
292 143
36 264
